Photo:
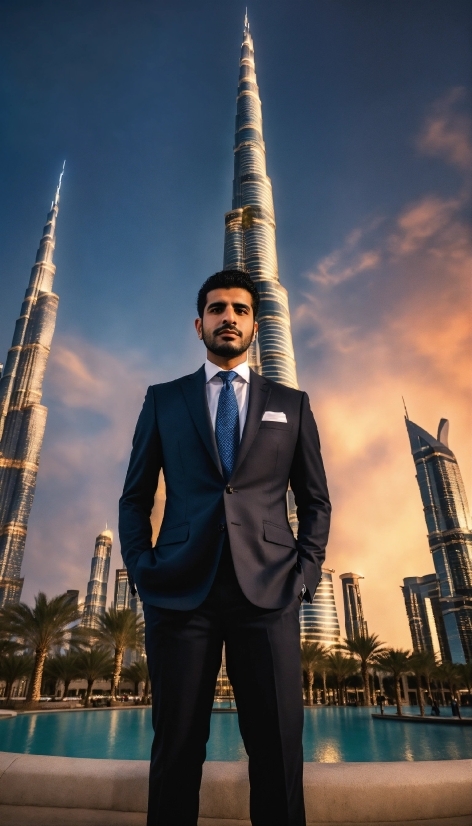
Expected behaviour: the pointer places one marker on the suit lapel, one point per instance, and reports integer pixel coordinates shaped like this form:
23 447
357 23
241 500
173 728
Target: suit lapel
259 395
194 390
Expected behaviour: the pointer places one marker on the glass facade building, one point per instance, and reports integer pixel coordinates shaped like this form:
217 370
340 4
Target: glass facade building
428 633
22 416
449 534
122 591
353 611
96 599
250 229
319 620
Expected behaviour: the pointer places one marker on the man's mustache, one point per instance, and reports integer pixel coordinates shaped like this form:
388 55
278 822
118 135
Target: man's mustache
228 327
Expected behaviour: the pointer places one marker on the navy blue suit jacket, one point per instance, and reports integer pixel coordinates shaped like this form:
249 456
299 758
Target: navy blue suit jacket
174 432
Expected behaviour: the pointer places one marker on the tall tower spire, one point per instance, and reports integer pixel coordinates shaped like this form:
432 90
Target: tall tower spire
250 228
22 416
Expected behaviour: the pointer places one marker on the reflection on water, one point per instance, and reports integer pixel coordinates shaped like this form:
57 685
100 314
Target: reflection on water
328 753
331 735
30 731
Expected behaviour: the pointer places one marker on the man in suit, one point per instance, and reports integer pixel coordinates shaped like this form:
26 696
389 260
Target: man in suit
226 567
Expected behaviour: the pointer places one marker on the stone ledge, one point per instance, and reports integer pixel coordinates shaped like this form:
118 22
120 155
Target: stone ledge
44 816
86 791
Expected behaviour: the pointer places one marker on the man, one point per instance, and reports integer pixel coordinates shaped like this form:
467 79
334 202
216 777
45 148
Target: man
226 566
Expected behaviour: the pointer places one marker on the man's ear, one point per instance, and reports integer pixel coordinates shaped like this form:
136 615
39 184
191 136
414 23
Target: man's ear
198 327
256 329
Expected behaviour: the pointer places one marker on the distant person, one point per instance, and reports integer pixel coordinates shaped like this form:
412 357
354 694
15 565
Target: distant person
226 567
435 710
455 708
381 702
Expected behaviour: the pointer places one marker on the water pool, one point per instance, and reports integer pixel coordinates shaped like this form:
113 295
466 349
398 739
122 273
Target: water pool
331 735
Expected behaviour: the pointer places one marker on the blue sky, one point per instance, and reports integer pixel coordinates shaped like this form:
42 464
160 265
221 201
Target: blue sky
366 113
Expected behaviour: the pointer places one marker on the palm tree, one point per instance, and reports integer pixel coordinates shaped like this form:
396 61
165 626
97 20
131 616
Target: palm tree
138 672
312 654
119 630
365 649
62 667
39 629
92 665
422 664
341 667
14 667
451 675
395 661
465 673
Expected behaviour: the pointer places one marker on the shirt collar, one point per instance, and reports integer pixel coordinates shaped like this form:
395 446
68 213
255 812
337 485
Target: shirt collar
242 370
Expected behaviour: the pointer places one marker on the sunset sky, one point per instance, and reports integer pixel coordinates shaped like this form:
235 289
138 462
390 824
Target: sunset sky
366 110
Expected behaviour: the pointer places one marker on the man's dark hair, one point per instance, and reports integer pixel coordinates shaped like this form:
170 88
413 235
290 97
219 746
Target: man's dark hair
226 279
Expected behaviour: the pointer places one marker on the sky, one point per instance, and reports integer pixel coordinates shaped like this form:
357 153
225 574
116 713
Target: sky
366 109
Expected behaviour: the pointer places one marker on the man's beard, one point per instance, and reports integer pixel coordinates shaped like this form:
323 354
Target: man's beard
227 348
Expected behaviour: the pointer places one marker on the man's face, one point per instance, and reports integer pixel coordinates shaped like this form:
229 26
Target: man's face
227 327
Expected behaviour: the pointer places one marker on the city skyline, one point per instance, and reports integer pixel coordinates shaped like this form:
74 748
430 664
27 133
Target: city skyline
368 169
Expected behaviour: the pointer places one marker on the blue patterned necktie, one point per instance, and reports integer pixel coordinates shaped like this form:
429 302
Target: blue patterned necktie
227 423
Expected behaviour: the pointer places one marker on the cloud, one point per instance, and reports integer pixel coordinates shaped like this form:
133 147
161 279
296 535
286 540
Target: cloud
94 397
348 261
447 131
368 336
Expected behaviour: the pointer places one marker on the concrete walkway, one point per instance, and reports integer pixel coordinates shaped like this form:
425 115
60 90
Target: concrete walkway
37 790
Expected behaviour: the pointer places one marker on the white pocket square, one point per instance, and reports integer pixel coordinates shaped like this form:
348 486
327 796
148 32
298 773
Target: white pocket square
271 416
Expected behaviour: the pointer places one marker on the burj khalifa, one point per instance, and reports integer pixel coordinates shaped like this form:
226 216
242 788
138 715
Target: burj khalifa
22 416
250 229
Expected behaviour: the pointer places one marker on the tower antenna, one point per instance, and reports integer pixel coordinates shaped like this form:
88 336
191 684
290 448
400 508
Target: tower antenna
406 411
246 22
56 197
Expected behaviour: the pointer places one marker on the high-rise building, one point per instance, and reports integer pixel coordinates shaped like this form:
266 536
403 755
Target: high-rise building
73 597
250 229
22 416
353 612
122 591
96 599
319 620
449 533
423 609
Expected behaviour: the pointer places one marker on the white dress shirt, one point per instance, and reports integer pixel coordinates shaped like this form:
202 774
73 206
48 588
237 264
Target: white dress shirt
214 384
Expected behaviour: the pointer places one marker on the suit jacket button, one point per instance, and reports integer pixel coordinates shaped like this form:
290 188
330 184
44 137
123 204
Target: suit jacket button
228 489
221 527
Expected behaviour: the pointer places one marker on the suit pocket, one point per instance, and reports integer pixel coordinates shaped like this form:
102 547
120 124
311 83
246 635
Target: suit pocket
279 535
276 426
171 536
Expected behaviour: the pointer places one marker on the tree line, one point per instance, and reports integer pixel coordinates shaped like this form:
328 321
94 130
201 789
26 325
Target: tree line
363 654
48 641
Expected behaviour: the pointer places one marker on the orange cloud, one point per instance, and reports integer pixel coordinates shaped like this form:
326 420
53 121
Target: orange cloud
400 328
447 131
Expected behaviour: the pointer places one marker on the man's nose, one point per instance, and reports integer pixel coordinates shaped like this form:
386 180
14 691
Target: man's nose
229 315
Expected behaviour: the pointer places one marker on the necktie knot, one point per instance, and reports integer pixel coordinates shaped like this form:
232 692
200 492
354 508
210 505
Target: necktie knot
227 376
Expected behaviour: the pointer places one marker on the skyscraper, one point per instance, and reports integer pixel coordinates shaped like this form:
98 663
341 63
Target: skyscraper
319 621
122 592
449 533
423 609
96 599
250 229
22 416
353 612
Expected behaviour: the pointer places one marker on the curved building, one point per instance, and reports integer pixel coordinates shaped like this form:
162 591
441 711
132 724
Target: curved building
449 533
250 228
22 416
319 620
96 599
